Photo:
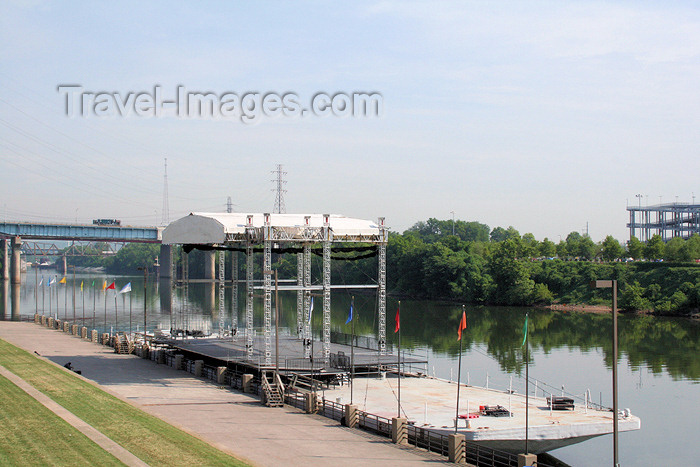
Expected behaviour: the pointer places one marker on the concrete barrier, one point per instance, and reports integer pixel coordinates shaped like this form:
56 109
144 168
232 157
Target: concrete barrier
145 351
83 332
399 430
198 364
66 326
94 336
37 319
178 362
456 448
246 382
310 403
351 416
220 375
49 322
526 459
74 329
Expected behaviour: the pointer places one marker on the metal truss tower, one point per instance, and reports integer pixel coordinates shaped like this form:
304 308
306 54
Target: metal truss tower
381 291
279 189
267 285
165 220
234 294
222 292
249 293
327 239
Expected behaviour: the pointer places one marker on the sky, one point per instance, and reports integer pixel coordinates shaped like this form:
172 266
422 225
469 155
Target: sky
548 116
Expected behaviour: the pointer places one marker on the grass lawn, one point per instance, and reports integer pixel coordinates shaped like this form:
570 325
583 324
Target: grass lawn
30 434
147 437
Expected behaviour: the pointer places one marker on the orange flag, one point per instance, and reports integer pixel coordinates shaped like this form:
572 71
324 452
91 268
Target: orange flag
462 325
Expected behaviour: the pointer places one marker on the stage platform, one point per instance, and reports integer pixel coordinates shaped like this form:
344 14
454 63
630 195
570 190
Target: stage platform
229 350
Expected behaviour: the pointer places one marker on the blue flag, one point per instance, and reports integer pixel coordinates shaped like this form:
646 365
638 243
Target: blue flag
349 315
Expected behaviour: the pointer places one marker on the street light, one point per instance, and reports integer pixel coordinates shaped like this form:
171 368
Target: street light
453 222
607 285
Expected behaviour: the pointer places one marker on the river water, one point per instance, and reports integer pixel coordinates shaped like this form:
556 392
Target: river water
659 363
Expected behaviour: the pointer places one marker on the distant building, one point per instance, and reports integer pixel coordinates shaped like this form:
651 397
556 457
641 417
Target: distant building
668 220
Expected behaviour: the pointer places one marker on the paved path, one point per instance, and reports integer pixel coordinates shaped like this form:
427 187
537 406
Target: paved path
88 430
230 420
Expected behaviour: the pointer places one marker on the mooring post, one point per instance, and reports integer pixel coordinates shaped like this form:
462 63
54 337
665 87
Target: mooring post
220 374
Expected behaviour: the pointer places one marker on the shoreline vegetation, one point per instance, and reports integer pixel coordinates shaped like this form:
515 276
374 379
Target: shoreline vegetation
470 263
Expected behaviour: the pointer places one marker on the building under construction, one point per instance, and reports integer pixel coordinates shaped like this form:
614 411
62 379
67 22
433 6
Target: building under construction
667 220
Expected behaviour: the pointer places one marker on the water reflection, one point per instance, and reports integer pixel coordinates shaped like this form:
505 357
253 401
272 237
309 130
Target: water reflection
661 344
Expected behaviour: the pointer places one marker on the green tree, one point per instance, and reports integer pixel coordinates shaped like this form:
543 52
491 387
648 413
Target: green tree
511 278
635 248
674 250
547 248
498 234
654 249
612 249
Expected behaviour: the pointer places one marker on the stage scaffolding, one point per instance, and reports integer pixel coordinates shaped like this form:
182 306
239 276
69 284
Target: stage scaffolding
289 233
667 220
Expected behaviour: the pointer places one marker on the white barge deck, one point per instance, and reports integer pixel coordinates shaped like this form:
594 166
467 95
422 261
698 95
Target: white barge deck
430 402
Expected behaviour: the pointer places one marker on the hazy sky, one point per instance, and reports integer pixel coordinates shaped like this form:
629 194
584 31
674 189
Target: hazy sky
541 115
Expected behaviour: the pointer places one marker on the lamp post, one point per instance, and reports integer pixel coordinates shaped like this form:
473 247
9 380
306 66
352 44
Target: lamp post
453 222
607 285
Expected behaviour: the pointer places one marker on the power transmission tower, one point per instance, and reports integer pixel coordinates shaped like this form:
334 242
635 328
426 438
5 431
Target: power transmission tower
229 205
279 198
166 205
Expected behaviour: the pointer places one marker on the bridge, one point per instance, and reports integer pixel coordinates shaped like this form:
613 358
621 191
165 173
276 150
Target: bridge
15 232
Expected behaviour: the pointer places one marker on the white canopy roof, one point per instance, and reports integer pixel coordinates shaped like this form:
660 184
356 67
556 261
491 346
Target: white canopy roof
218 228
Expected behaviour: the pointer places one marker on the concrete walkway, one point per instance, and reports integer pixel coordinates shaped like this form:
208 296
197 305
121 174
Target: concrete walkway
88 430
230 420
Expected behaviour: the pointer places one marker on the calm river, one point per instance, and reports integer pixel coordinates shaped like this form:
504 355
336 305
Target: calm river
659 365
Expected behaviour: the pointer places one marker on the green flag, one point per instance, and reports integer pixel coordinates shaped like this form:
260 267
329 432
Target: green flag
524 332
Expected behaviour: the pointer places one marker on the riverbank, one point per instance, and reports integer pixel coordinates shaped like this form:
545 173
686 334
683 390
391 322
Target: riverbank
603 309
229 420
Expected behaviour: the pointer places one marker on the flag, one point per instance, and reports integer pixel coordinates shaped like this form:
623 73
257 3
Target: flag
398 319
462 325
110 286
524 332
63 281
311 308
52 281
41 281
126 288
81 286
349 315
104 285
93 283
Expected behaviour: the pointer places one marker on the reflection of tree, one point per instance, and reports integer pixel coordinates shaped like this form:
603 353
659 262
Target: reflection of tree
661 344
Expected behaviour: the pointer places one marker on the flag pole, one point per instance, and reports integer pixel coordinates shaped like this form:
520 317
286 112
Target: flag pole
459 369
73 294
82 293
116 309
398 328
527 389
104 289
36 287
352 348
